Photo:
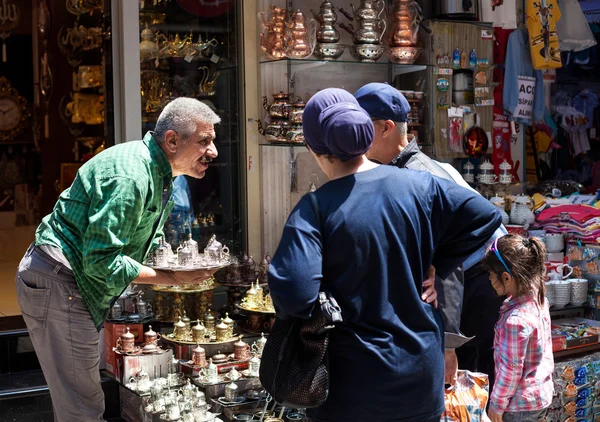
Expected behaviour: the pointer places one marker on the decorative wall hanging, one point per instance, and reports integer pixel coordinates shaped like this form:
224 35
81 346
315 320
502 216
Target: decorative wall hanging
44 25
14 113
9 19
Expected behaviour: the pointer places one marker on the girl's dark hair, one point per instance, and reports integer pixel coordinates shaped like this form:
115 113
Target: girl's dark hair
525 258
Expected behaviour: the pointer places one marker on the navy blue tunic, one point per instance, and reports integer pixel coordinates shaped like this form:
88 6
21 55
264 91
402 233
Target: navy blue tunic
382 229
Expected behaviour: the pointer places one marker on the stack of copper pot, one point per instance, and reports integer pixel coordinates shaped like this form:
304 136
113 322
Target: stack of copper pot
285 37
406 19
285 119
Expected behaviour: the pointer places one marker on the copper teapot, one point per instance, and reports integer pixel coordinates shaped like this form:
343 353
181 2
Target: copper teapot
327 33
272 43
371 26
299 41
296 112
280 107
275 131
406 18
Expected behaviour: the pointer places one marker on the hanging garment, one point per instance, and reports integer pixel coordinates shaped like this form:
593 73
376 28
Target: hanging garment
499 53
503 15
573 28
542 16
523 90
501 134
586 102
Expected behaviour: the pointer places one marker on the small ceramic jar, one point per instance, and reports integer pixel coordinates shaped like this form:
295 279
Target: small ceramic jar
469 172
505 176
499 203
486 173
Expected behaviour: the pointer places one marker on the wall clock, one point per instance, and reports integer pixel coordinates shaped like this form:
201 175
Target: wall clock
14 112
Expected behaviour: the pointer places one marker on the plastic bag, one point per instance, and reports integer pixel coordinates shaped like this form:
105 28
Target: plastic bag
466 401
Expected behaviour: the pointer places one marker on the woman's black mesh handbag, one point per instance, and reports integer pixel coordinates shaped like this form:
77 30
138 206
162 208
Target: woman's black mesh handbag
294 367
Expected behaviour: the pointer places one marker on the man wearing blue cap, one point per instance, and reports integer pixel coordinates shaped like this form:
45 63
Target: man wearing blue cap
392 145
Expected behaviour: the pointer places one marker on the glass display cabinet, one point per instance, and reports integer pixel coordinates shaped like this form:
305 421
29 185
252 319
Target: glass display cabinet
191 49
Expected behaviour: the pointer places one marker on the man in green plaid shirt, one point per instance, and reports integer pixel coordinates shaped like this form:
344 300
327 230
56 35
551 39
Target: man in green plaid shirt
90 248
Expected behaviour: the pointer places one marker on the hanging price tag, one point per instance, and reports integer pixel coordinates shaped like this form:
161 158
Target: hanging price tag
189 58
214 58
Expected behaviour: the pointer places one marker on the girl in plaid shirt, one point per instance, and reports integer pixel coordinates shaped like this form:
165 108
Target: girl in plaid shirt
522 345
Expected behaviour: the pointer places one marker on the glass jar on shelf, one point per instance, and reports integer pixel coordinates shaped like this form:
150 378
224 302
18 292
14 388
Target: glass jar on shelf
468 172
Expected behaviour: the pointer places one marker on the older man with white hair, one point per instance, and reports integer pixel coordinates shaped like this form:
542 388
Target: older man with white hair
92 245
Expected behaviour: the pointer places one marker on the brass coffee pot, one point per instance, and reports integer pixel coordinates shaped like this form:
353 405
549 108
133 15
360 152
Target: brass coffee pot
299 43
369 22
327 33
273 43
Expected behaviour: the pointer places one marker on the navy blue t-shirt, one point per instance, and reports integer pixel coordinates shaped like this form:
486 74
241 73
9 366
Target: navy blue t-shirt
382 229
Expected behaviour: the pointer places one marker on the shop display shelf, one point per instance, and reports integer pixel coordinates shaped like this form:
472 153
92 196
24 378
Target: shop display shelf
282 144
150 64
311 63
577 351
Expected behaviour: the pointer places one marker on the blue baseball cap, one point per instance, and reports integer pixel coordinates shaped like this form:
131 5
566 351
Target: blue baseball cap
383 101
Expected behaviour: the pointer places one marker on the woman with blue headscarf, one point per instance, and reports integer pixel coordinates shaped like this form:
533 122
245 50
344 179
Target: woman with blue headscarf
380 230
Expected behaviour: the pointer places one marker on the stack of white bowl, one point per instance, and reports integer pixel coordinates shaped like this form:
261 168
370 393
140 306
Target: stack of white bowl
562 293
579 289
550 292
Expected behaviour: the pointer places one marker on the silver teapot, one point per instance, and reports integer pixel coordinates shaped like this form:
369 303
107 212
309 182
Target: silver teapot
327 32
371 26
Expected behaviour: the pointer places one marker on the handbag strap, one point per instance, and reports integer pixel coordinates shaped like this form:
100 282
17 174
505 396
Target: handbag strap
315 204
329 307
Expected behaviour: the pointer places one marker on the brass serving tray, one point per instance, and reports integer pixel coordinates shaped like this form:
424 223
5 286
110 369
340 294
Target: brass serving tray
185 288
258 311
169 338
175 267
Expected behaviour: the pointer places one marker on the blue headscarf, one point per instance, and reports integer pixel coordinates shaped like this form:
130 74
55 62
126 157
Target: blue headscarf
334 124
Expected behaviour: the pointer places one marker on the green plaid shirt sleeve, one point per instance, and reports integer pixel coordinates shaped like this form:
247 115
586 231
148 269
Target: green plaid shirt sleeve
115 213
107 220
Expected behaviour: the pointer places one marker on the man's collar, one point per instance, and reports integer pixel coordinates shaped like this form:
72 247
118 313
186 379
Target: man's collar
411 149
158 155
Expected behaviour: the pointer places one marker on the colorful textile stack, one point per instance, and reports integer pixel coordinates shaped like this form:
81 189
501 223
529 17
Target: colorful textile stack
577 222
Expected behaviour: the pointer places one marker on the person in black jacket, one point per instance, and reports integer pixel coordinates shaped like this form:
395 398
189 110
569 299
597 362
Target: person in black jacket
471 308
